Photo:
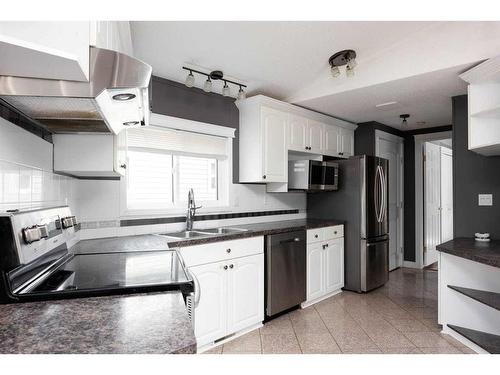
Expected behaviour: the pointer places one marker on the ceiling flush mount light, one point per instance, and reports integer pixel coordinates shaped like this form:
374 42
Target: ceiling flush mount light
216 75
190 79
346 57
124 96
404 117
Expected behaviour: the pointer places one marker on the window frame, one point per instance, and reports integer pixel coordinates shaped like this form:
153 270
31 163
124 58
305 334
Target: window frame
224 170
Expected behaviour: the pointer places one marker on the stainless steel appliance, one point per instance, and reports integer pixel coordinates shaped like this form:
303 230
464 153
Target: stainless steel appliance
285 255
312 175
362 203
39 261
115 97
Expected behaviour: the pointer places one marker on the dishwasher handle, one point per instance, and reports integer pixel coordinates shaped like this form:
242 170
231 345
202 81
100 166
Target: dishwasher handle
295 239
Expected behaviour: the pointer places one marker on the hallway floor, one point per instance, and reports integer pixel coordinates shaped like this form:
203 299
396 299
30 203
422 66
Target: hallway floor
399 318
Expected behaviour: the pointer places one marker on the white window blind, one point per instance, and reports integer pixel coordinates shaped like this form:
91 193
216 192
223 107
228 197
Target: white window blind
163 164
178 142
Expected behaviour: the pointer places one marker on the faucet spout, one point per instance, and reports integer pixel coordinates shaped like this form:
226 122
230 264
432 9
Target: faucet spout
191 211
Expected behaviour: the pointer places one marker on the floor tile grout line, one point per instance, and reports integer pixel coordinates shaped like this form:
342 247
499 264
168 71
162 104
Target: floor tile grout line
330 332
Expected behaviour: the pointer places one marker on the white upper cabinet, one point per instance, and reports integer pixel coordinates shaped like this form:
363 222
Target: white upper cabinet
52 50
298 133
484 107
274 161
315 132
270 128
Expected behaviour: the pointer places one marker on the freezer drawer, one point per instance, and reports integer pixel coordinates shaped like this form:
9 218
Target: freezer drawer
374 264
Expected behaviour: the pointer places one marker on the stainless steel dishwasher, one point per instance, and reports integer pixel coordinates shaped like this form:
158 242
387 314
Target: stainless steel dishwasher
285 271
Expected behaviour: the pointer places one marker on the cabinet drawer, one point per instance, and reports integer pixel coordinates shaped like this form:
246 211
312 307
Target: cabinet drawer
315 235
333 232
223 250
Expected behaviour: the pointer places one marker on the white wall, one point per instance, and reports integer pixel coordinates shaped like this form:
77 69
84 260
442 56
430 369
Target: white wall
26 178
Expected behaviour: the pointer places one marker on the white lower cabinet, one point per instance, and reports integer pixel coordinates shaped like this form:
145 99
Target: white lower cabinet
325 263
231 286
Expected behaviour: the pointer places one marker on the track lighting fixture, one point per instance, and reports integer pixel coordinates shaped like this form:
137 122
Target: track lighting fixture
207 87
404 117
190 79
215 75
346 57
241 94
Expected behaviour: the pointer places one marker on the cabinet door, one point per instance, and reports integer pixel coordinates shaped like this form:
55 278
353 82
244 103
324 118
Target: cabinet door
332 140
275 167
245 292
334 265
297 133
211 314
315 271
120 145
347 142
315 137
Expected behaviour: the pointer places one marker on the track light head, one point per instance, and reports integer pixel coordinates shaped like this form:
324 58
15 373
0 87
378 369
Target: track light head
190 79
207 87
346 57
226 91
241 94
404 117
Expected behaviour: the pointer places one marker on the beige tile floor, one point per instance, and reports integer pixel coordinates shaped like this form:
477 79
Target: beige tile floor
399 318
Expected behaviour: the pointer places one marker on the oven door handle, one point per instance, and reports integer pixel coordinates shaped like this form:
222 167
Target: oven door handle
197 289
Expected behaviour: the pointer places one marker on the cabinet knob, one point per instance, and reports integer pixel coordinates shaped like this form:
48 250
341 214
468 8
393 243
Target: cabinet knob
341 153
315 236
264 177
225 267
231 266
335 232
228 251
326 245
124 166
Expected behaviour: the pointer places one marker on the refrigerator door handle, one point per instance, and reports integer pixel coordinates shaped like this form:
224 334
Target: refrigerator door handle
383 183
376 194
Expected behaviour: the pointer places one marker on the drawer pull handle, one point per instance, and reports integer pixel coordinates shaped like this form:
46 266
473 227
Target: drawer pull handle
228 251
225 268
231 266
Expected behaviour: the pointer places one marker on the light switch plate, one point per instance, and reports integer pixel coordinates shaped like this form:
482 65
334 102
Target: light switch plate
485 199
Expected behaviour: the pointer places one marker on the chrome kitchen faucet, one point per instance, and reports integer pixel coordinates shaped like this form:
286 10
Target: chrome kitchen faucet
191 211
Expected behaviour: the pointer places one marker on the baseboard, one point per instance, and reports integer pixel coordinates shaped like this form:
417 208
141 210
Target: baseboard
222 341
463 340
408 264
314 301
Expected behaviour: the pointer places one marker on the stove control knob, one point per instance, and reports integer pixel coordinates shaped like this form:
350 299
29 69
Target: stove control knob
31 234
44 231
67 222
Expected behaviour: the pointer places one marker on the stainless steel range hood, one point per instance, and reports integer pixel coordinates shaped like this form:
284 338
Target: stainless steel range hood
116 96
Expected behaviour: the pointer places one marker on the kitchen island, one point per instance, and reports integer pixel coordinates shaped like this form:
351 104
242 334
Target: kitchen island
155 323
469 292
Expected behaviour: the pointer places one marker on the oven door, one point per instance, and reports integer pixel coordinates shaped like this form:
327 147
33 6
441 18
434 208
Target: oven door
331 176
316 175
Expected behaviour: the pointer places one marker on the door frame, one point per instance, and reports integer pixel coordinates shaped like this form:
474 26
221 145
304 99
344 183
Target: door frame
379 134
448 152
420 139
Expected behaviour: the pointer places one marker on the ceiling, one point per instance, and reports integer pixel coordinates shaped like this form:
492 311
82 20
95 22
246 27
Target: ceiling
414 63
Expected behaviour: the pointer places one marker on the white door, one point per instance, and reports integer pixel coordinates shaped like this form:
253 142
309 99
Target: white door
315 136
334 265
432 199
391 148
446 194
245 292
211 313
347 142
332 140
315 271
275 168
297 133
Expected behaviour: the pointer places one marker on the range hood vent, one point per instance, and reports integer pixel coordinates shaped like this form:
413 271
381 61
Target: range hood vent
116 96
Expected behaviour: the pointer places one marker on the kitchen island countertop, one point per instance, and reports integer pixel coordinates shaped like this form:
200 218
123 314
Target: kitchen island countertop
155 323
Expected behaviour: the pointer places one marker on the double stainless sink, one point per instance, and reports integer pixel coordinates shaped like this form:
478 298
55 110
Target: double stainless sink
188 234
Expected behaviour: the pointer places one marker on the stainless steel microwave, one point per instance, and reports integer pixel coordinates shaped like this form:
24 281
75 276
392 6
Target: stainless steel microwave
313 175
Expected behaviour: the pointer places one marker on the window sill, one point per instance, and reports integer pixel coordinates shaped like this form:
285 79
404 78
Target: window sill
146 213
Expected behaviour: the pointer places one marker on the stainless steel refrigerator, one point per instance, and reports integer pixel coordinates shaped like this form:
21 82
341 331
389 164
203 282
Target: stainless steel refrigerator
362 202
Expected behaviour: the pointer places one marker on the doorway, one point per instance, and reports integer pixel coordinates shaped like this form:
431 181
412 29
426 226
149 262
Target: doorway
438 197
391 147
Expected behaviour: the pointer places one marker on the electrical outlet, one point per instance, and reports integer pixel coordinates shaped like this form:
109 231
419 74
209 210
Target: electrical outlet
485 199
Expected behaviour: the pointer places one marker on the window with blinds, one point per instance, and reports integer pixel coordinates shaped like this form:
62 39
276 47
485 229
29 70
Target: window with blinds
163 164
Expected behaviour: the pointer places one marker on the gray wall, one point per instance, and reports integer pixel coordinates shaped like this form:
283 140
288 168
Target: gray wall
473 174
175 99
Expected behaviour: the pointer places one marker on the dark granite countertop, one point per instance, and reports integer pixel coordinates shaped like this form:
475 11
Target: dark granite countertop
144 242
468 248
258 229
143 323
